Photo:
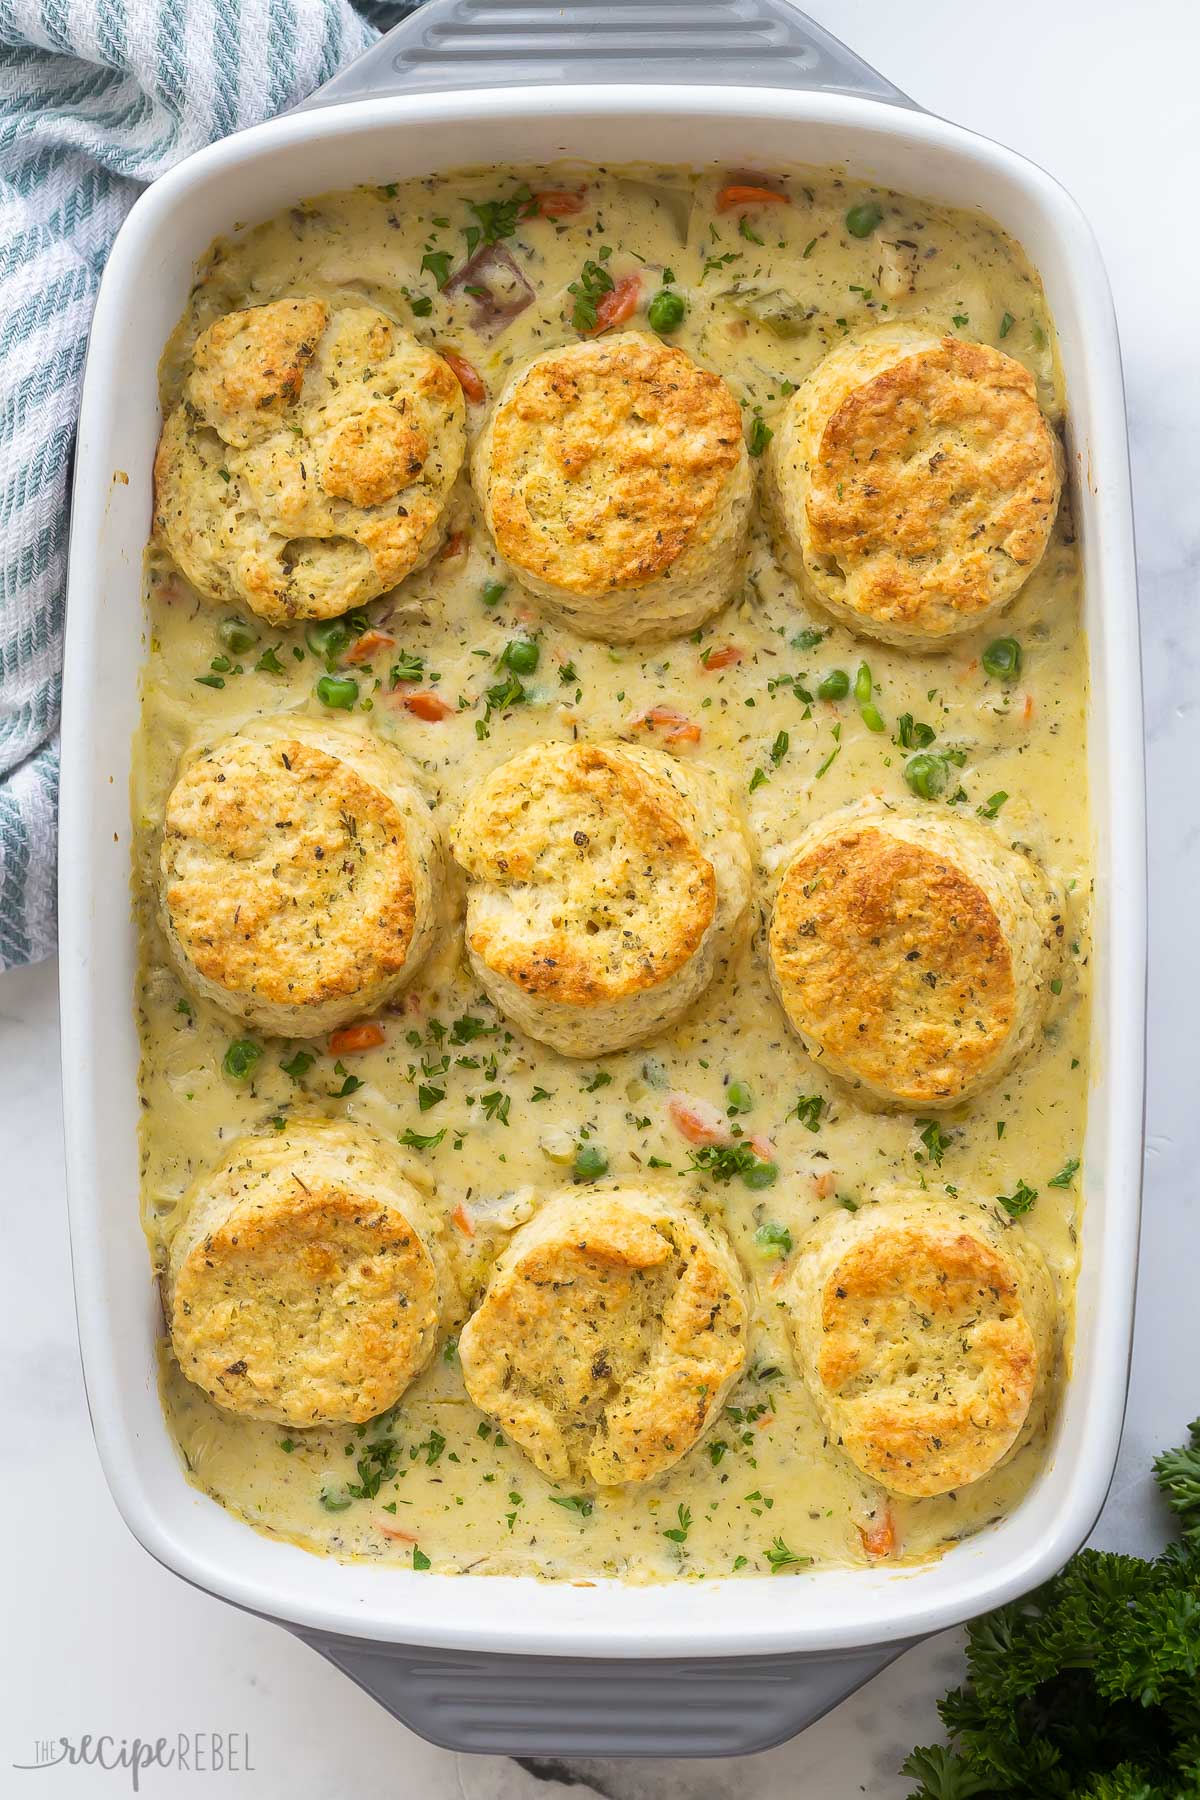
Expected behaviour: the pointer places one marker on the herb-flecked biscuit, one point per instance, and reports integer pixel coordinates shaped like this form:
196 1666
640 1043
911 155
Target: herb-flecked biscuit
300 871
308 467
613 1326
615 480
926 1331
912 484
606 884
913 951
306 1282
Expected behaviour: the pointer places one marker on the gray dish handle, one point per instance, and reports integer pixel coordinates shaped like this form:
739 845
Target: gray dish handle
449 44
569 1707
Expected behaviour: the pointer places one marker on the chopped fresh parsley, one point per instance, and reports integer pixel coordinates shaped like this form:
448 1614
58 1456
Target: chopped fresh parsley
992 807
1019 1201
808 1110
724 1161
350 1083
241 1059
593 283
935 1140
299 1065
496 219
437 262
468 1028
760 435
1066 1174
678 1534
495 1106
910 735
576 1503
415 1140
780 1558
808 639
407 667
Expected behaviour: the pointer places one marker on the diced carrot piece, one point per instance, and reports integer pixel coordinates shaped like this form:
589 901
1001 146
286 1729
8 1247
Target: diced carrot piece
1027 709
879 1537
467 375
677 727
823 1185
723 658
763 1148
620 303
355 1037
394 1531
557 203
454 545
697 1121
463 1220
427 706
367 646
743 197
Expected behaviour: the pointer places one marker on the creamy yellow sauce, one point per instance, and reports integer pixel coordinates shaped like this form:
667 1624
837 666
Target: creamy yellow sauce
508 1114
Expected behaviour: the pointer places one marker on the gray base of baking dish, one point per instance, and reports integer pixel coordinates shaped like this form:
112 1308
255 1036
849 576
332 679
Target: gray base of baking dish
561 1706
571 1706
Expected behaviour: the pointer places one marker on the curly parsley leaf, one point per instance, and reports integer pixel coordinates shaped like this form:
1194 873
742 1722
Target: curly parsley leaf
1088 1688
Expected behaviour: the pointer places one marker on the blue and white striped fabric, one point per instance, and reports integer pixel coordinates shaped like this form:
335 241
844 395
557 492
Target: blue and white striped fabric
97 97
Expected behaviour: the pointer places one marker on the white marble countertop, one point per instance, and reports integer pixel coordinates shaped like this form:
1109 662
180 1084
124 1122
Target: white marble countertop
98 1638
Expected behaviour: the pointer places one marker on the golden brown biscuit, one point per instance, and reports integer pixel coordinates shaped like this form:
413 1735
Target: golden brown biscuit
299 870
612 1328
309 465
606 883
912 484
926 1331
305 1282
615 480
913 952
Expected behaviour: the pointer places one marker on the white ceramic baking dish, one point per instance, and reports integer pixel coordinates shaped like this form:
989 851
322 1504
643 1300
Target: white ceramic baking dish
694 1667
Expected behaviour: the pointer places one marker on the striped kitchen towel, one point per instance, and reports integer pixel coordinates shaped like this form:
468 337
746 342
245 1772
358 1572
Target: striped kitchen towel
97 97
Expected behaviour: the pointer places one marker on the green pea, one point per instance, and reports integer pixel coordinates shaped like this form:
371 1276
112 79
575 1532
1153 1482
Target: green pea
834 686
925 775
241 1059
522 656
237 636
738 1098
328 638
774 1238
493 591
340 691
1002 659
864 687
761 1174
590 1162
862 219
667 311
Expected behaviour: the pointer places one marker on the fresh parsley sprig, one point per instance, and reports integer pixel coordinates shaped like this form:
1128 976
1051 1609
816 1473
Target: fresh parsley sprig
1088 1688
